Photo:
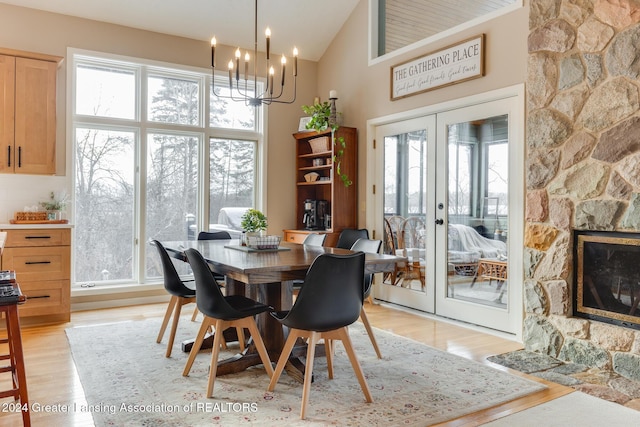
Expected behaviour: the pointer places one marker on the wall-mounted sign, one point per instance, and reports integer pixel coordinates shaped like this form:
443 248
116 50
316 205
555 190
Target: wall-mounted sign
454 64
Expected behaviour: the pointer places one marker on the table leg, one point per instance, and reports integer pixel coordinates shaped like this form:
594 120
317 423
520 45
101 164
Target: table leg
279 296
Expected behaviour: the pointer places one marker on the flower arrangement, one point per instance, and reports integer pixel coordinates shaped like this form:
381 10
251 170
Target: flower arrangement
253 221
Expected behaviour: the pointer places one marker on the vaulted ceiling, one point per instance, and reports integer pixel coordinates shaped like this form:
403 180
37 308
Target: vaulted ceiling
310 25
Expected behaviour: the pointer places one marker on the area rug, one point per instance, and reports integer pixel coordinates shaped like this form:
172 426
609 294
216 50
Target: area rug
128 382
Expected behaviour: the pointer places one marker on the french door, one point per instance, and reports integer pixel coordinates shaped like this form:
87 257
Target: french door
452 205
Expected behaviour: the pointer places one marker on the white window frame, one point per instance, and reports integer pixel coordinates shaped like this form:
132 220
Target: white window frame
144 68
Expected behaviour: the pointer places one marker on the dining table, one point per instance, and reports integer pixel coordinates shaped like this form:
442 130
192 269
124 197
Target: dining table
265 275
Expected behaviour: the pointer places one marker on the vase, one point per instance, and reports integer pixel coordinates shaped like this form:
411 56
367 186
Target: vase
54 215
249 235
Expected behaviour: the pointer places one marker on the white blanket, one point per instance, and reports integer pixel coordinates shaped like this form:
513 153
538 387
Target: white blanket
464 239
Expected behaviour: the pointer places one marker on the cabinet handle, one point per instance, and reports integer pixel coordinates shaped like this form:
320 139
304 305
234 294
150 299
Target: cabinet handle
37 237
19 157
37 262
39 296
9 156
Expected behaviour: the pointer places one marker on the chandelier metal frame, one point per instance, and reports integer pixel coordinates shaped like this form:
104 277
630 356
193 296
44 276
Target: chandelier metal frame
242 92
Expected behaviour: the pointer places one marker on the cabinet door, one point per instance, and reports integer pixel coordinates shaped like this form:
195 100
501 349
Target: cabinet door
7 116
35 122
38 264
38 237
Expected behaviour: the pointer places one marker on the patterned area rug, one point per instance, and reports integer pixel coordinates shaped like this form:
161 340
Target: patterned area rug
128 382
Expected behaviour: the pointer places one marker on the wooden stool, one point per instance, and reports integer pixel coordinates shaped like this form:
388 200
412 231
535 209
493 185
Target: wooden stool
15 358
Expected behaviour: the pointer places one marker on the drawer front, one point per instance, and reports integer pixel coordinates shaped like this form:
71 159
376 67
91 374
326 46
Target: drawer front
38 237
45 298
35 264
293 237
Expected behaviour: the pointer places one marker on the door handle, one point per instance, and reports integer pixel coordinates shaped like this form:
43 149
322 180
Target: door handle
439 221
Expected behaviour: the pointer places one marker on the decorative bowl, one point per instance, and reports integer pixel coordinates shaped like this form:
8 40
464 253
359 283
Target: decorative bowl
311 176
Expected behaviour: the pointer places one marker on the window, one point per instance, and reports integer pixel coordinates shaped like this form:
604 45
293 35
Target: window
148 164
232 174
398 25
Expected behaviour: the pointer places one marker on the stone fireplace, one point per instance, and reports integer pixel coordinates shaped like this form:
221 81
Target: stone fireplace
582 171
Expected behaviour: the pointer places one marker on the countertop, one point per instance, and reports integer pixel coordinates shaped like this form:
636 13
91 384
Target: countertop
8 226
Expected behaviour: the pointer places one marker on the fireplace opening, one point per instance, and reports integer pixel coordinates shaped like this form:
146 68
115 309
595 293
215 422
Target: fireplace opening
606 281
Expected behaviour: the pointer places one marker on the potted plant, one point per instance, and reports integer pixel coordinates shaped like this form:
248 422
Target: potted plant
321 121
54 206
253 221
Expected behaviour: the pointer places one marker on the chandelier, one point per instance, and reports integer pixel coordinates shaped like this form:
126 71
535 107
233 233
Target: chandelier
239 87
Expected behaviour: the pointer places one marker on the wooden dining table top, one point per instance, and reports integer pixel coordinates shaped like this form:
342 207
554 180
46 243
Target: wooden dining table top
266 277
290 262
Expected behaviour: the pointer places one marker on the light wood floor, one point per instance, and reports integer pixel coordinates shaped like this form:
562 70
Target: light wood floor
52 378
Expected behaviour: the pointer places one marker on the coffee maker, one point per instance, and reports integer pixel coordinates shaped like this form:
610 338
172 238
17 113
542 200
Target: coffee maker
314 214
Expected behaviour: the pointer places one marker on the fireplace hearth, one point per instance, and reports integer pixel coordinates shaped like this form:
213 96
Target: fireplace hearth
607 277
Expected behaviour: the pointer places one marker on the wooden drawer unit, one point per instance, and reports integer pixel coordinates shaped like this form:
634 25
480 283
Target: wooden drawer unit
41 259
38 237
298 236
45 298
38 263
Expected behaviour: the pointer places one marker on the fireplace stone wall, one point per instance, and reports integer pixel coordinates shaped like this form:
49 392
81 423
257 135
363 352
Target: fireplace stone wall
583 166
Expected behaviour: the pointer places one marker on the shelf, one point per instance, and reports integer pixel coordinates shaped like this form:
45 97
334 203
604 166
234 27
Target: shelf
313 168
319 154
328 181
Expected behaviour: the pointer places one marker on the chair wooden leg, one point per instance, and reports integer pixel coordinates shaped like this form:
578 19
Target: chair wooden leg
167 316
367 326
206 324
215 351
294 334
308 372
241 337
344 336
262 350
194 316
328 350
174 325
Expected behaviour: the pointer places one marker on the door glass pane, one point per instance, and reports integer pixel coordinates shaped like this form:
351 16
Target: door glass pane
105 92
104 205
478 211
171 100
405 206
172 191
233 178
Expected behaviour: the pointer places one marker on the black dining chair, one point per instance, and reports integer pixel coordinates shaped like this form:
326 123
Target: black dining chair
222 312
181 294
368 246
214 235
329 301
312 239
348 237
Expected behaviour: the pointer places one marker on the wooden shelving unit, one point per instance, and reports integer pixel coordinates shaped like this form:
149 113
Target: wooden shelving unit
341 199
